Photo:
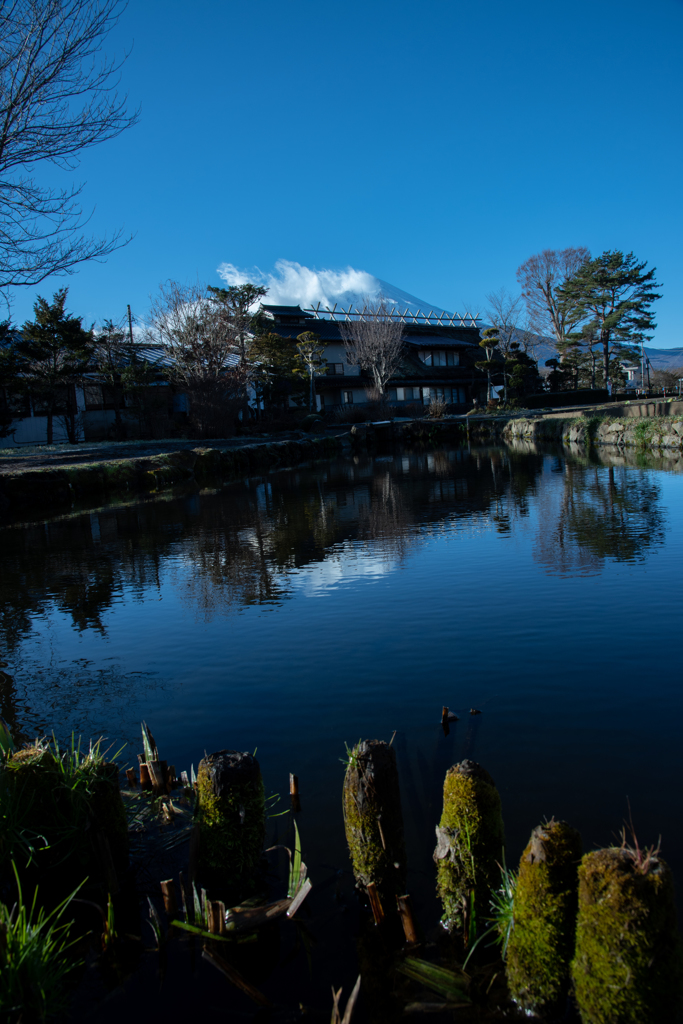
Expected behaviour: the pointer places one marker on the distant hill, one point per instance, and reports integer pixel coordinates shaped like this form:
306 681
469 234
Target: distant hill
665 358
660 358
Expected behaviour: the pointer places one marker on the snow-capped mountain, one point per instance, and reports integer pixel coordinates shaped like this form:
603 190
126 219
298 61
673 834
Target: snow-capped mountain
291 284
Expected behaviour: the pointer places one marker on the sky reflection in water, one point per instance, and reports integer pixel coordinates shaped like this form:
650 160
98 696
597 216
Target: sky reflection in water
308 608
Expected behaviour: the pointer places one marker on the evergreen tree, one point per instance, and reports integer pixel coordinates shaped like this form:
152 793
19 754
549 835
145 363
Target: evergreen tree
8 377
53 354
241 320
522 373
275 364
614 293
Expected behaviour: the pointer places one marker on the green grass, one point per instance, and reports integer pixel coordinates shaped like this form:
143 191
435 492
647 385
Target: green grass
46 799
36 958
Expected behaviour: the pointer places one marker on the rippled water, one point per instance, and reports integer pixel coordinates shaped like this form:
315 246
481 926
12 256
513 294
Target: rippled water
305 609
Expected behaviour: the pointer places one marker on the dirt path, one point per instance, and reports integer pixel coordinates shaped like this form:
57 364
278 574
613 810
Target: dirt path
17 460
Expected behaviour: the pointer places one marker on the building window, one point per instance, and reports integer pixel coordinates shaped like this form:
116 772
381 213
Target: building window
347 397
439 357
400 394
335 368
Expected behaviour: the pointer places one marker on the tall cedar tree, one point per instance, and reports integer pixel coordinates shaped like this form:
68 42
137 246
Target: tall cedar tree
614 293
53 354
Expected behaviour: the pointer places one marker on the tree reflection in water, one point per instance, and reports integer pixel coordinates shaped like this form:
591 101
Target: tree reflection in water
601 512
246 545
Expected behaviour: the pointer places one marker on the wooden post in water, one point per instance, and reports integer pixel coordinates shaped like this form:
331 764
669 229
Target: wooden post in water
145 778
405 909
470 844
373 819
170 902
545 903
231 821
628 960
294 792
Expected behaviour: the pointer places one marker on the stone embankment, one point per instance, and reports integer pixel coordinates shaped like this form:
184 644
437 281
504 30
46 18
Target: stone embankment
649 434
58 488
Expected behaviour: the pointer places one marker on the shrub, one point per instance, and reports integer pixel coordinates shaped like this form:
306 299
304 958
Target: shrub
436 409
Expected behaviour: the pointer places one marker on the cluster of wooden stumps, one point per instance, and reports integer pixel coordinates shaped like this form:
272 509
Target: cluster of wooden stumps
601 927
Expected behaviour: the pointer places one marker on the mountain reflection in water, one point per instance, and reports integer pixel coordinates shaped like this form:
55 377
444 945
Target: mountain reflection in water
303 609
246 544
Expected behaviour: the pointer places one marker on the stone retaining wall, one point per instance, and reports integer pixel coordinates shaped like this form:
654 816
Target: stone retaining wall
651 433
49 490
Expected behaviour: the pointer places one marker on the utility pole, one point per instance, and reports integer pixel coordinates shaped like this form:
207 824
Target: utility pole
130 325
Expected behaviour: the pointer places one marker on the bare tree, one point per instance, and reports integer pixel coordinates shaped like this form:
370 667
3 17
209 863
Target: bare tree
504 312
668 380
310 357
57 98
541 278
197 339
374 342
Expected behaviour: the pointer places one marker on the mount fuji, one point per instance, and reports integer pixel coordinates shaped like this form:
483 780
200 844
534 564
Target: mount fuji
291 284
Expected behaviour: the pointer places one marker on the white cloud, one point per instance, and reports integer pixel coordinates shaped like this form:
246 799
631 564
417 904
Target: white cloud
292 284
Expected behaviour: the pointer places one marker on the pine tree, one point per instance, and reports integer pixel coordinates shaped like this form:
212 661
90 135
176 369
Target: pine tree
53 353
614 293
275 361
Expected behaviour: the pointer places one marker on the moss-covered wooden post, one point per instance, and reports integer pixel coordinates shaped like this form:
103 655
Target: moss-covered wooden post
470 843
628 964
373 820
544 908
231 819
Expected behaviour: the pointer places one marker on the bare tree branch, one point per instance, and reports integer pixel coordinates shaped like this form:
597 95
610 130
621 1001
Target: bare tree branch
57 97
504 311
191 328
541 277
374 342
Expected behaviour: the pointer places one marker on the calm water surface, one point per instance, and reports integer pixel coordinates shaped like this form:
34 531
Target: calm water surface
295 612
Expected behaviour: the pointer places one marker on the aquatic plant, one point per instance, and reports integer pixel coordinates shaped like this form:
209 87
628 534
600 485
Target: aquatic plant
544 918
628 963
449 984
337 1017
36 958
470 839
501 918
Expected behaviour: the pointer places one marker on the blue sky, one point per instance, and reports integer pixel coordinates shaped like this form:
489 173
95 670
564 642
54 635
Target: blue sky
435 146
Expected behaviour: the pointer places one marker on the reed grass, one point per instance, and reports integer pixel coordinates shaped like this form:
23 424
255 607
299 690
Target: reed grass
36 958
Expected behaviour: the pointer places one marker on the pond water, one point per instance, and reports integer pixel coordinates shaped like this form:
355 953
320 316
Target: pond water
297 612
